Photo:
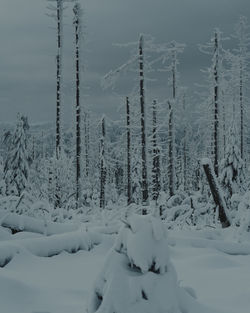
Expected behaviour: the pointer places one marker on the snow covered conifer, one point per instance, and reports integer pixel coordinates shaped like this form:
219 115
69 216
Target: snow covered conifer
232 166
138 275
16 169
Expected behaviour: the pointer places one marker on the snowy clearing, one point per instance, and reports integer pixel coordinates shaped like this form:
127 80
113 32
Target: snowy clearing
62 283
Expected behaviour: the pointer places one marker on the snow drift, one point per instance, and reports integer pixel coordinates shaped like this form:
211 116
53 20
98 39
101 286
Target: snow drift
138 275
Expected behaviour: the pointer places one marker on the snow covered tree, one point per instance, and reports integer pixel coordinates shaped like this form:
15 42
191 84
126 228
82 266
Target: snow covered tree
57 14
156 156
60 172
138 275
214 76
216 102
129 183
16 170
103 169
232 175
78 28
171 53
143 130
242 35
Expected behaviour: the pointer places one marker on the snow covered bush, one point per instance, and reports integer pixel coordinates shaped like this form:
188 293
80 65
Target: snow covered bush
16 170
232 175
138 275
243 213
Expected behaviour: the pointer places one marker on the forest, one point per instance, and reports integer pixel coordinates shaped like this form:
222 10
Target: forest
110 211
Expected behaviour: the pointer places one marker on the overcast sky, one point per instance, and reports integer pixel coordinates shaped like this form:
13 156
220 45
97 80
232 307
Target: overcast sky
28 48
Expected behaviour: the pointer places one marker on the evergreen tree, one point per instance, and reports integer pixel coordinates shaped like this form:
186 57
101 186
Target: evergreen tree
232 170
16 169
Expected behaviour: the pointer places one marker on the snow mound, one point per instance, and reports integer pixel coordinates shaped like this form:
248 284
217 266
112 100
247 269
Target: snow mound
138 275
143 239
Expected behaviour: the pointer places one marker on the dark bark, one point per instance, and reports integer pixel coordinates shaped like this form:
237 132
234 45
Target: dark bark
59 8
156 157
143 130
216 103
217 195
102 165
129 184
76 11
170 151
241 115
184 152
86 142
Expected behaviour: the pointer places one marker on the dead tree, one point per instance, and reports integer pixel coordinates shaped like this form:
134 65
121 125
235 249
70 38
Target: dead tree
129 184
86 141
57 14
77 25
102 164
216 103
156 157
143 130
218 197
170 150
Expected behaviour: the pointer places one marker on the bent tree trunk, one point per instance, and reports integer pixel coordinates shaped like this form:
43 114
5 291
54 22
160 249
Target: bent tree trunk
216 192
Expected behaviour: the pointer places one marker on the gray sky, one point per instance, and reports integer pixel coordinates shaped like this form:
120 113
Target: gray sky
28 48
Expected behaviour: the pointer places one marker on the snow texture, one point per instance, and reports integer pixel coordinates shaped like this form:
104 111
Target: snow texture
138 275
48 246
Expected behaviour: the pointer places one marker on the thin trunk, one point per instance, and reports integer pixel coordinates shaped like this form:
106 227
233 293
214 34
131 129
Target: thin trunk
185 185
216 104
224 124
78 109
59 8
102 165
129 186
241 115
156 157
171 165
86 141
170 151
143 131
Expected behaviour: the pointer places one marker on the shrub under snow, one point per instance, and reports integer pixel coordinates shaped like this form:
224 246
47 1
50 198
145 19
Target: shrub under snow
138 276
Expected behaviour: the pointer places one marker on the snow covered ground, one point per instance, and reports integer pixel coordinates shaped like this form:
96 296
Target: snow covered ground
61 283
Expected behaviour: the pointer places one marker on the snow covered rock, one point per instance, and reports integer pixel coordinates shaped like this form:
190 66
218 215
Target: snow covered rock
138 275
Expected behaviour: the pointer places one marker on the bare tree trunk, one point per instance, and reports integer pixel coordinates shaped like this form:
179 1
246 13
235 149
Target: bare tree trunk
241 115
216 193
171 165
143 130
216 104
102 165
156 157
185 179
77 12
59 8
129 186
170 151
86 142
224 125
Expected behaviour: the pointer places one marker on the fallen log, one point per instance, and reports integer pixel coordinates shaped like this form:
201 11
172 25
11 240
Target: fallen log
49 246
217 193
17 222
